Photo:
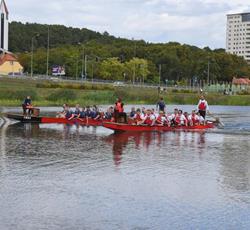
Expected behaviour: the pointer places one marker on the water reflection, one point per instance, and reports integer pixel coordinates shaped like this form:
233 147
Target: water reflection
235 165
154 141
70 174
3 128
57 131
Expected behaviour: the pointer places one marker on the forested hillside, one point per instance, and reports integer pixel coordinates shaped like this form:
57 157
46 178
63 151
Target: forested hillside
113 58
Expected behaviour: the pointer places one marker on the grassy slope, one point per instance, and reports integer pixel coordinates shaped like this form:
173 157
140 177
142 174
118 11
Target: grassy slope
13 91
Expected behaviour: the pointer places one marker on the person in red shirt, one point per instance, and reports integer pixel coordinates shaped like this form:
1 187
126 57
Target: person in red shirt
119 111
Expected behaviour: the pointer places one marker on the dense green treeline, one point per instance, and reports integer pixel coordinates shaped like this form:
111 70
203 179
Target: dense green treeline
113 58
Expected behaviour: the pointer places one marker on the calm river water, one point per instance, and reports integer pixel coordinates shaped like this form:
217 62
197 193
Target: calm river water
69 177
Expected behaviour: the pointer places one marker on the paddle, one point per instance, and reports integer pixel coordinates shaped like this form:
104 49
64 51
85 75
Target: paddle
217 119
80 119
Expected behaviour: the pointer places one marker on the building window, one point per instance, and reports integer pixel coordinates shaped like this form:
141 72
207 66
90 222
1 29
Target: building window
245 17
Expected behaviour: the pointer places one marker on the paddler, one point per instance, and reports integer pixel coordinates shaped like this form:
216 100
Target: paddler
27 105
160 120
180 119
193 118
161 105
202 106
119 111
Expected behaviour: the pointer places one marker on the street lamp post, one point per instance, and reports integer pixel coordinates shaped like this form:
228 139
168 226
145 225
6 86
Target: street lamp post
32 54
90 58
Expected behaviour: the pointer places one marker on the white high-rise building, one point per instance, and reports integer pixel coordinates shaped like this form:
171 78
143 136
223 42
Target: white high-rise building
4 26
238 35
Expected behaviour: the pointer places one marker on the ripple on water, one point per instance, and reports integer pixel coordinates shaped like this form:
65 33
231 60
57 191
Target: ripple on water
68 177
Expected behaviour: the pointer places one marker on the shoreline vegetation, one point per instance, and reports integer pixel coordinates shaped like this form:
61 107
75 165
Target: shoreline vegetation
48 93
103 56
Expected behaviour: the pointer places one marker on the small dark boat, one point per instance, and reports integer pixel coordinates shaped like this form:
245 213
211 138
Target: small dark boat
54 120
23 119
146 128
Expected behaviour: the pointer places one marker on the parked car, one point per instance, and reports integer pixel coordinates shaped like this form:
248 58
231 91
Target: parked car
118 83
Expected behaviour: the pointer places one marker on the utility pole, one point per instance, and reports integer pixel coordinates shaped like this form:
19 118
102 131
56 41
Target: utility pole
48 44
159 74
76 67
134 72
83 56
208 72
32 54
85 66
31 61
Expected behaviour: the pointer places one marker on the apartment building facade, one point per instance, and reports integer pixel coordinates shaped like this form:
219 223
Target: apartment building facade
238 35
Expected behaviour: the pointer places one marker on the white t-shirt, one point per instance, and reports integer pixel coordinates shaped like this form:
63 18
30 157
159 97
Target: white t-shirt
152 117
171 117
201 119
196 117
183 119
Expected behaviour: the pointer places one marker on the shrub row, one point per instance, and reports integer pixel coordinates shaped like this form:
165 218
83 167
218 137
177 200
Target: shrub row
85 86
13 94
137 94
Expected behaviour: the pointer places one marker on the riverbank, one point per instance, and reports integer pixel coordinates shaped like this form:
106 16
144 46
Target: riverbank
45 93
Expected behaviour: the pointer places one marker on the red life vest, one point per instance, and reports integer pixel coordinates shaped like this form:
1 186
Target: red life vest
119 107
178 119
148 121
202 106
159 120
194 120
138 117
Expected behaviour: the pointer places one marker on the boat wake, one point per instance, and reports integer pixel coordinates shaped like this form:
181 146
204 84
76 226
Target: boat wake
6 122
234 128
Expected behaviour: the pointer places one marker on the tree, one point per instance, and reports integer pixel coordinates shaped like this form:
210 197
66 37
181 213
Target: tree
137 70
111 69
179 62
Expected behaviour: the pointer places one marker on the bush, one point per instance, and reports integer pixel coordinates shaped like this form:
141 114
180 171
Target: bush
244 92
137 94
62 95
85 86
182 91
18 94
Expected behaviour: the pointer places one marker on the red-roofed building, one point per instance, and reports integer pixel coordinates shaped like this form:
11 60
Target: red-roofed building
9 64
241 81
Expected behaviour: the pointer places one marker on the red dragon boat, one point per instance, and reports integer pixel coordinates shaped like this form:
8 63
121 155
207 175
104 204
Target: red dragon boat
120 127
54 120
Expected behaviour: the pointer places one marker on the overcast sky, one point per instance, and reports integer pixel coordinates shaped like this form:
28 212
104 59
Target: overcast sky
196 22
